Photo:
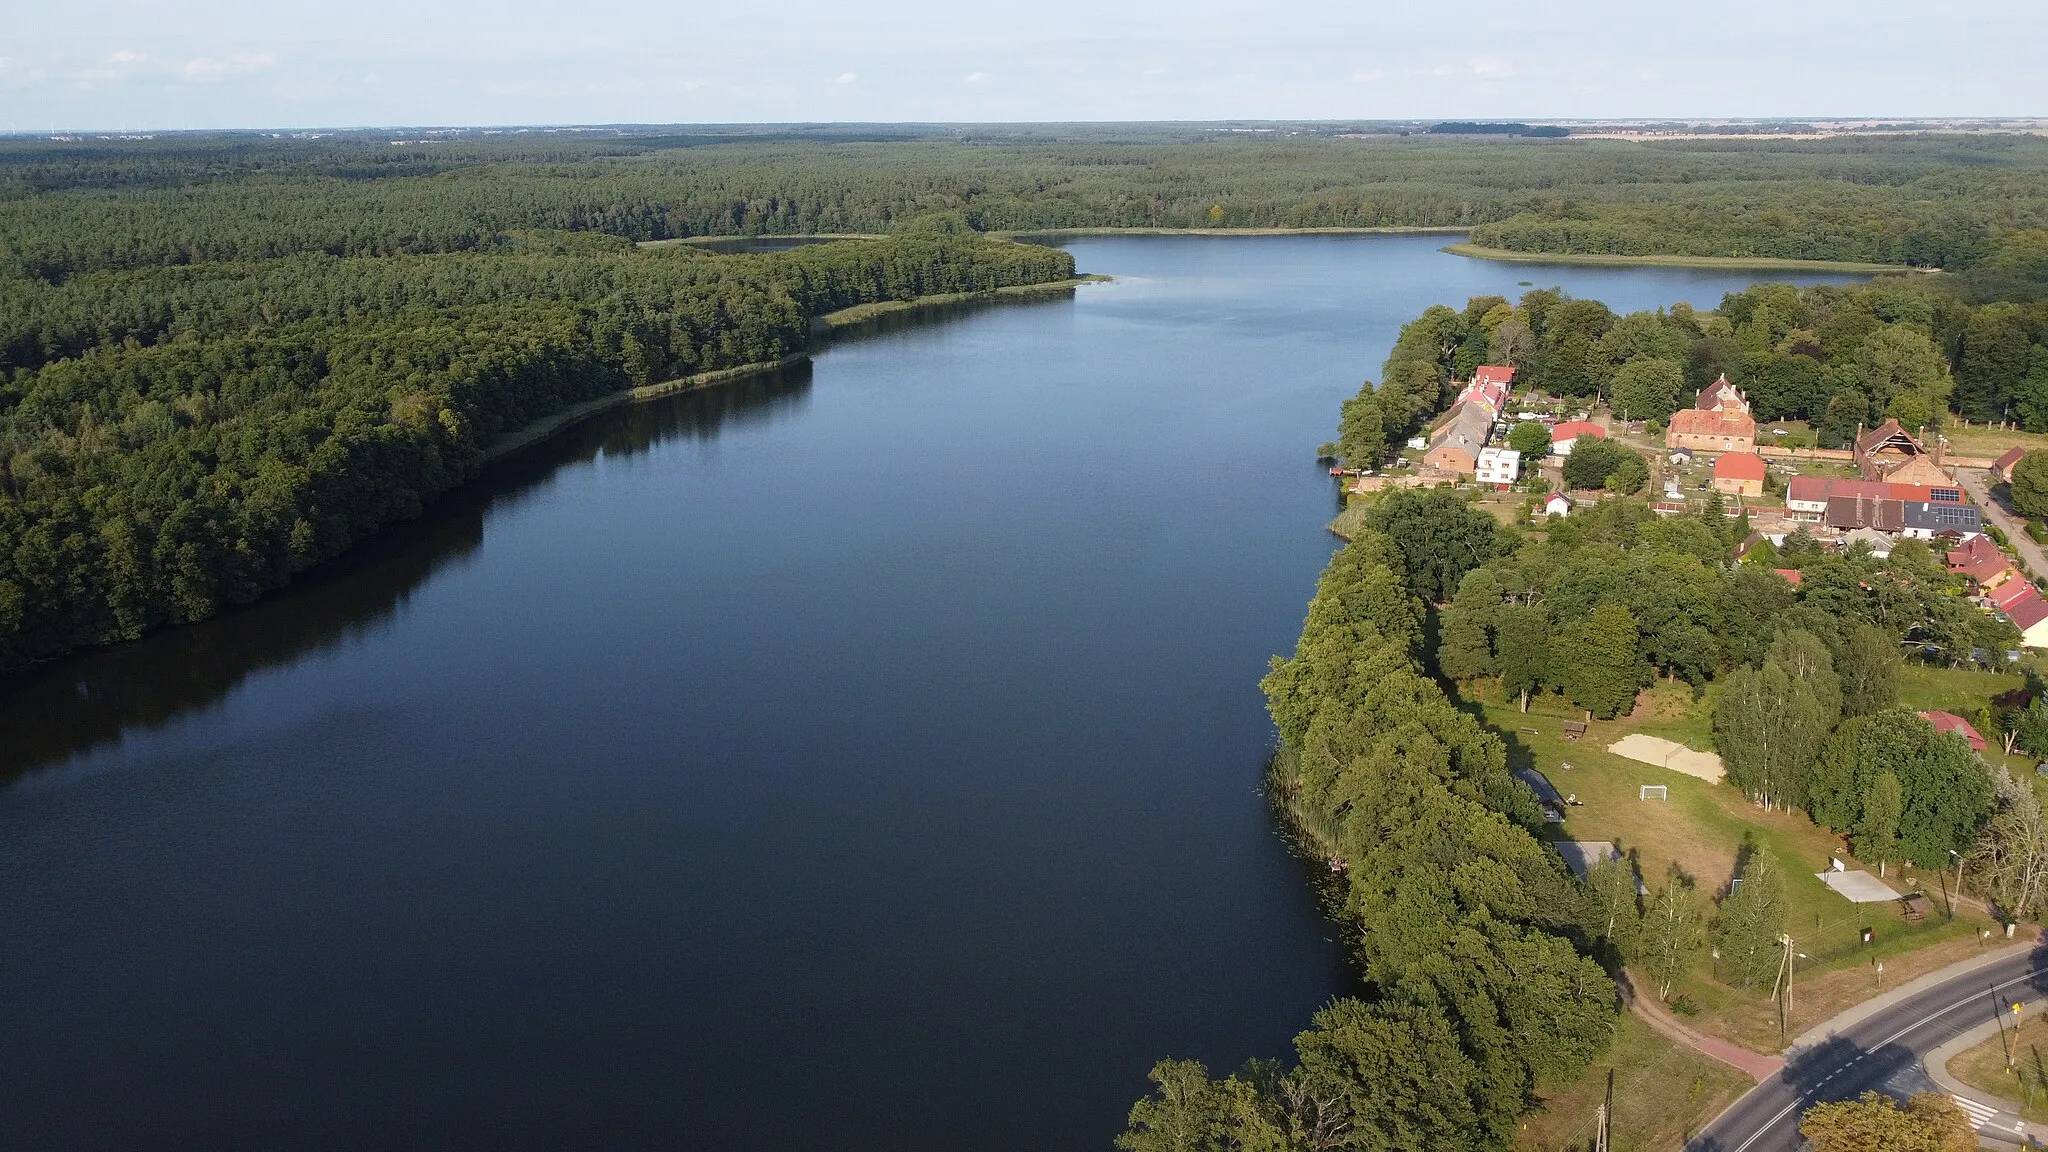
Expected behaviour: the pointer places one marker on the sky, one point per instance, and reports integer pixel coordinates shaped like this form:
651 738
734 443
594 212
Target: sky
113 65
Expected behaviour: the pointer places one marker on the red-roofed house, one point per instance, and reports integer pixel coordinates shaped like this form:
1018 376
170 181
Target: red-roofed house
1501 374
1950 722
1739 474
1793 576
1806 497
2002 467
1722 430
1564 434
1982 562
2027 611
1721 396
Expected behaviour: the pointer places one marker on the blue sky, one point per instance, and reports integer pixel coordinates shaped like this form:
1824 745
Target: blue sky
142 64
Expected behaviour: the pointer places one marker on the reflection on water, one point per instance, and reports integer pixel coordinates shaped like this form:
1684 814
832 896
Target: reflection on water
94 697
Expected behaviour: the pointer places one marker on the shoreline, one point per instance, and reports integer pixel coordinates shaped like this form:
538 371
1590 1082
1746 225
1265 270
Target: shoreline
1755 263
1390 230
826 325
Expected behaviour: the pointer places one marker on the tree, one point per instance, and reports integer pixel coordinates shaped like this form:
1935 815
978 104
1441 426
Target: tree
1751 920
1531 439
1646 388
1361 430
1672 933
1465 653
2011 857
1591 461
1440 538
1613 884
1869 667
1769 727
2030 485
1877 830
1930 1122
1897 361
1522 650
1593 660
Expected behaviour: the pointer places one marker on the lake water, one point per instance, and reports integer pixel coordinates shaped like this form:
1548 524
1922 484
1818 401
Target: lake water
862 758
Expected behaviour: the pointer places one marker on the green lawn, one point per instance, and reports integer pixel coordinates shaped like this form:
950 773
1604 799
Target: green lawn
1699 831
1664 1093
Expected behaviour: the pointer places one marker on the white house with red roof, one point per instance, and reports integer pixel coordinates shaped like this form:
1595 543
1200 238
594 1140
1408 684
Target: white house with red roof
1563 435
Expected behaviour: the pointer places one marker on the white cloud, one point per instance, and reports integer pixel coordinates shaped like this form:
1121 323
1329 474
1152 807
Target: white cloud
1153 72
124 56
204 68
847 78
1365 76
694 83
974 77
1492 67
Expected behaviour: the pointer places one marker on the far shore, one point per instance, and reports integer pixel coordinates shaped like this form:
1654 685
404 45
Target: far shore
825 325
1754 263
1056 233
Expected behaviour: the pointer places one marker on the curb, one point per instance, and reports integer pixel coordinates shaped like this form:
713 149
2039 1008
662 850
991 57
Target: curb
1871 1007
2007 1125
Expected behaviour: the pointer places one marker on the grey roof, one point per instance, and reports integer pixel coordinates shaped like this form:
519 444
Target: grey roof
1540 784
1933 516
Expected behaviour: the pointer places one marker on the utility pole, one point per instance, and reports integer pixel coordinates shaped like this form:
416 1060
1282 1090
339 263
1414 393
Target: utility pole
2012 1043
1959 883
1781 985
1605 1116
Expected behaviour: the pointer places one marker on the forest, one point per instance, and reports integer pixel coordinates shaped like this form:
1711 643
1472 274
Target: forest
178 438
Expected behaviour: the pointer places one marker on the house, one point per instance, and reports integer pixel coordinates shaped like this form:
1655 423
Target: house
1488 388
1851 512
1950 722
2006 595
1557 505
1806 497
1880 544
2001 468
1792 576
1565 434
1715 430
1457 442
1681 456
1498 466
1926 519
1982 562
1888 452
1721 396
2028 613
1739 474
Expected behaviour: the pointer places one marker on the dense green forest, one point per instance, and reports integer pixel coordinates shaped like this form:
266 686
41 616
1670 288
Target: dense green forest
177 438
1964 203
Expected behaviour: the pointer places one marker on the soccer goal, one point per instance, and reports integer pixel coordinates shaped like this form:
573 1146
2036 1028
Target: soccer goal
1654 792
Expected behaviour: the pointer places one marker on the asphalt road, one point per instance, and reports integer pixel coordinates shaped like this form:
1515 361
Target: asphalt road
1881 1053
1978 485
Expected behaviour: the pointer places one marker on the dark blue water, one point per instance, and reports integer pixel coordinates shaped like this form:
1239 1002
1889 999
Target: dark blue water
863 758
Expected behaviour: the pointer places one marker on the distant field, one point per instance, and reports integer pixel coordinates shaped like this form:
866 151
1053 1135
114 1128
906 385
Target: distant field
1757 263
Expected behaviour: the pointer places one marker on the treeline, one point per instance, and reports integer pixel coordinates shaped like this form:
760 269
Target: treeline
177 439
1472 935
1953 201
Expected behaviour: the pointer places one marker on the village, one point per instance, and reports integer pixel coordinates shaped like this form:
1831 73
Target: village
1891 484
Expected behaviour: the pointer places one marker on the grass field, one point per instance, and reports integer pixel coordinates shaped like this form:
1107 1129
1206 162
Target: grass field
1664 1093
1983 1066
1700 829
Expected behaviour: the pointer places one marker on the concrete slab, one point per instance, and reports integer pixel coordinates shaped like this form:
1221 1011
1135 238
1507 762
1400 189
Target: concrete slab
1858 887
1669 754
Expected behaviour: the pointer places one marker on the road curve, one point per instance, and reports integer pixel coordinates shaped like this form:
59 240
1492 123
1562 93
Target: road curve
1882 1052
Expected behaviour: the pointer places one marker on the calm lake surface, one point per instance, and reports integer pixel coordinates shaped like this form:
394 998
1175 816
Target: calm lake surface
862 758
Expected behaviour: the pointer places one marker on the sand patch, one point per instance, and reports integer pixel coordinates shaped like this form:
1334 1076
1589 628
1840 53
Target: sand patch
1668 754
